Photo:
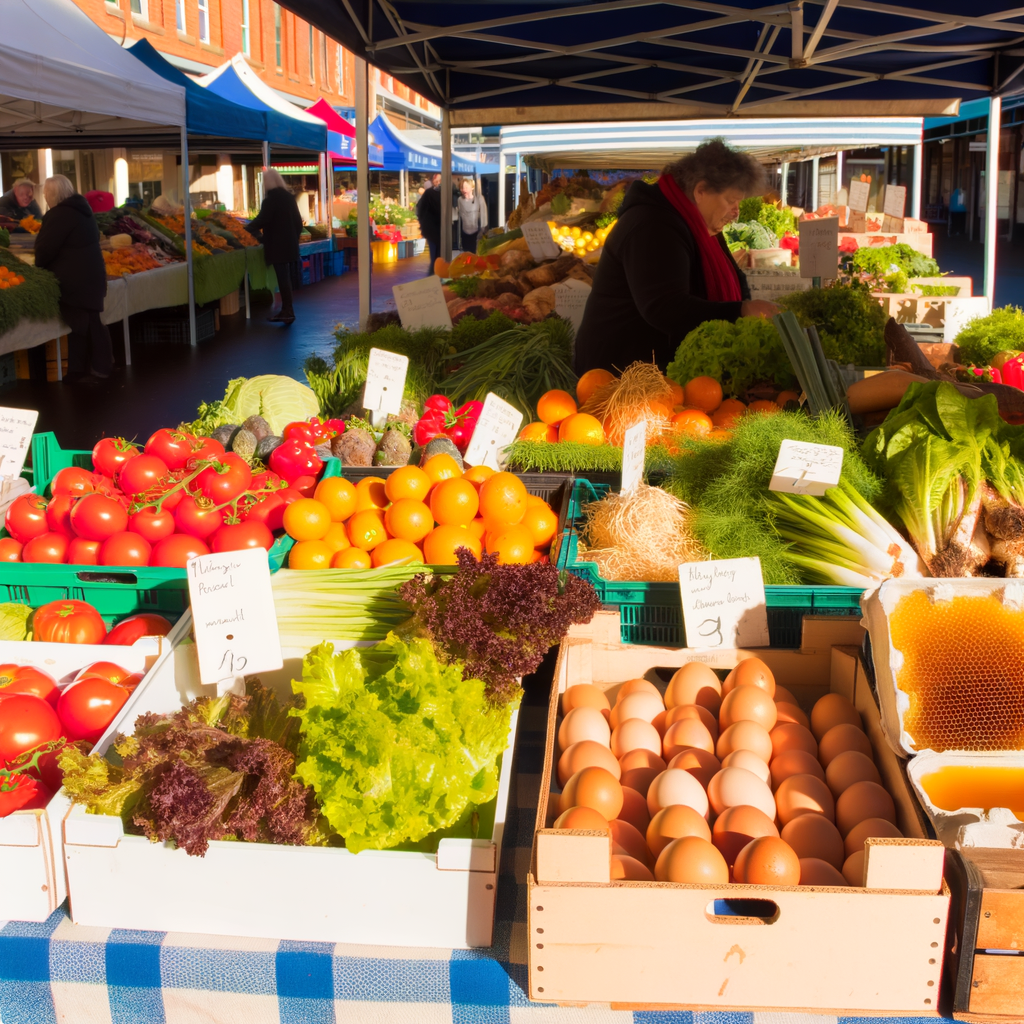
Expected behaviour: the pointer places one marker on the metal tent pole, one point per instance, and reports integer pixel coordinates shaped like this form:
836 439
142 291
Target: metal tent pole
446 186
501 188
363 192
995 117
815 181
917 178
517 184
783 185
187 214
403 188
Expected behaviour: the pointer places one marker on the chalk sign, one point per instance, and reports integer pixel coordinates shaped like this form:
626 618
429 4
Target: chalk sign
819 247
421 304
16 429
723 603
806 468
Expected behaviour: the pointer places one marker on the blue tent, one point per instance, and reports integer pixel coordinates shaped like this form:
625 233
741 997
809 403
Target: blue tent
402 155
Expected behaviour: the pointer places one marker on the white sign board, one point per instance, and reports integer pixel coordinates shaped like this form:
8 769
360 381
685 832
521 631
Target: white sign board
806 468
819 247
895 201
233 615
496 429
960 311
16 428
860 192
634 451
771 284
723 603
538 238
571 300
385 381
421 304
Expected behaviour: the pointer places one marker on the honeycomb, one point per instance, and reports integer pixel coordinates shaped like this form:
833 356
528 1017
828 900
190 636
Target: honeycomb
963 670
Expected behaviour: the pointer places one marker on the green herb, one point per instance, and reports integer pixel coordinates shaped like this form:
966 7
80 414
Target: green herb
606 220
930 290
575 457
750 208
561 204
37 298
892 265
749 235
850 321
778 220
983 337
464 287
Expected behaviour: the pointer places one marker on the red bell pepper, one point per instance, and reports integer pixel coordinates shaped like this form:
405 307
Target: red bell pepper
441 420
16 790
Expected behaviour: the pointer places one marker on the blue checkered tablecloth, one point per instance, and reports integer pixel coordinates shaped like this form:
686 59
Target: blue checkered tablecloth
60 972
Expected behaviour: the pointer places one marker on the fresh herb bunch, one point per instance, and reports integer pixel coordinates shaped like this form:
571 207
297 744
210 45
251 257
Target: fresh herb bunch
750 208
38 298
850 321
892 266
470 331
984 336
778 220
498 620
464 287
576 457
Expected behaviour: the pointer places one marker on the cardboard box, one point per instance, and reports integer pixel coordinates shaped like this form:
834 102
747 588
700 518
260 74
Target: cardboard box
229 304
658 945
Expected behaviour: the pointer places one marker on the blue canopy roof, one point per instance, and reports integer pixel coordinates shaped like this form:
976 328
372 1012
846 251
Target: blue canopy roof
402 155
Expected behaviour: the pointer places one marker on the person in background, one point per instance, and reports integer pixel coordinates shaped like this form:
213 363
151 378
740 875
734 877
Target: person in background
19 201
428 213
68 245
472 215
279 225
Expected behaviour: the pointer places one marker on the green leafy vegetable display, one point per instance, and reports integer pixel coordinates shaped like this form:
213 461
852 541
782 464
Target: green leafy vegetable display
576 457
984 336
850 321
749 235
891 266
37 298
278 399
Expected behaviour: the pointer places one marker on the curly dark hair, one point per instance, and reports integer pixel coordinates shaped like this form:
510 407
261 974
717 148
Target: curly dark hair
721 167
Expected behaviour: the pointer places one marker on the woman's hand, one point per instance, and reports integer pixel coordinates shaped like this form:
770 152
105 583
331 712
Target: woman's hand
758 307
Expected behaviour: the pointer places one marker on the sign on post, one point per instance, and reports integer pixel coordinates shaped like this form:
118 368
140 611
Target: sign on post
385 381
421 304
806 468
860 194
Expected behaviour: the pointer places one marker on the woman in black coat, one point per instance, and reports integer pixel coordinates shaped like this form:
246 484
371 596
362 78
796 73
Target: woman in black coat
279 224
68 245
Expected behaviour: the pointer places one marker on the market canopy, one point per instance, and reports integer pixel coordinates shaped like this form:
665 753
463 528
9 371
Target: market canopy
63 80
401 154
518 63
342 135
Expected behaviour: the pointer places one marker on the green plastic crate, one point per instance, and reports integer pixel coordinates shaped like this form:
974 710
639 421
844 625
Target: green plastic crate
652 613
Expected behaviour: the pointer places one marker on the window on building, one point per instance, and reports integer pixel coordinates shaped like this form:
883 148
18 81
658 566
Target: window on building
245 28
204 21
139 8
342 52
324 76
277 34
179 14
310 53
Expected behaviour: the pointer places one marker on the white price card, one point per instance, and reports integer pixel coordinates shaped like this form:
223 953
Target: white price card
496 429
723 603
571 300
819 247
806 468
538 238
860 193
421 304
959 311
233 615
385 381
16 428
634 450
770 284
895 201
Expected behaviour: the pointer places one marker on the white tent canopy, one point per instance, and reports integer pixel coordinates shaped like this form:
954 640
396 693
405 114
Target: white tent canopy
259 89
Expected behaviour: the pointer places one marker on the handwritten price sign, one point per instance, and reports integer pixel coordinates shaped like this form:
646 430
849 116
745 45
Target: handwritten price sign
819 247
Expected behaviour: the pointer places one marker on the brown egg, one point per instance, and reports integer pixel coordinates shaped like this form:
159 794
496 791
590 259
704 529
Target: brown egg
693 861
633 734
639 704
585 695
699 763
634 809
641 757
675 786
695 683
640 779
861 801
734 787
791 713
735 827
853 869
629 869
596 788
790 736
813 835
841 738
636 686
767 861
687 732
803 794
750 672
784 696
849 767
583 724
702 714
869 828
794 762
831 710
818 872
583 755
748 704
745 736
585 818
627 840
749 760
672 823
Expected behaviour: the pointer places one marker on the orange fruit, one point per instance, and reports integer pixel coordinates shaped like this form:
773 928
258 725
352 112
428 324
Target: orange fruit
409 520
763 406
678 396
371 493
366 529
581 427
407 482
590 382
310 554
337 536
476 475
503 498
786 396
442 542
692 421
728 412
555 406
441 467
454 502
351 558
513 546
542 522
538 432
536 499
478 527
396 551
339 495
307 519
704 393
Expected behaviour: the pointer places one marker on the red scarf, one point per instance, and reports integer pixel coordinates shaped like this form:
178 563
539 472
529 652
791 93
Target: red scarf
720 277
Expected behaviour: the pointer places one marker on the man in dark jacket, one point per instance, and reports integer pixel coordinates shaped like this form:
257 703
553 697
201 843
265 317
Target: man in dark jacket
432 216
68 245
279 223
19 201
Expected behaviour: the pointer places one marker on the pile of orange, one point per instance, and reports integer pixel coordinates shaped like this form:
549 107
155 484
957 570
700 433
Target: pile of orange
419 515
9 279
707 413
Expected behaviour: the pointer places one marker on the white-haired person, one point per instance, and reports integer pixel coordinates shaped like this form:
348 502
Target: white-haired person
279 224
68 245
19 201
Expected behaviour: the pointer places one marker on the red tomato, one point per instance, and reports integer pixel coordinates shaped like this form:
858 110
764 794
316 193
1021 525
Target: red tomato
174 552
26 517
83 552
305 485
224 481
152 524
109 454
141 474
28 679
172 447
264 480
10 549
25 722
289 494
299 430
295 458
88 706
42 797
73 480
18 792
112 673
197 519
135 627
206 448
269 510
125 548
97 517
68 622
239 536
50 547
58 513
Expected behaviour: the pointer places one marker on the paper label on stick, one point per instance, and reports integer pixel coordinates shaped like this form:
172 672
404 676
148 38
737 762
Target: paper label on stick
233 615
496 429
806 468
895 201
571 300
860 192
819 247
421 304
723 603
634 450
16 428
538 238
385 381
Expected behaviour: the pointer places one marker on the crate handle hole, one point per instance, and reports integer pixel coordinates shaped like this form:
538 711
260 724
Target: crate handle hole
127 579
742 911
